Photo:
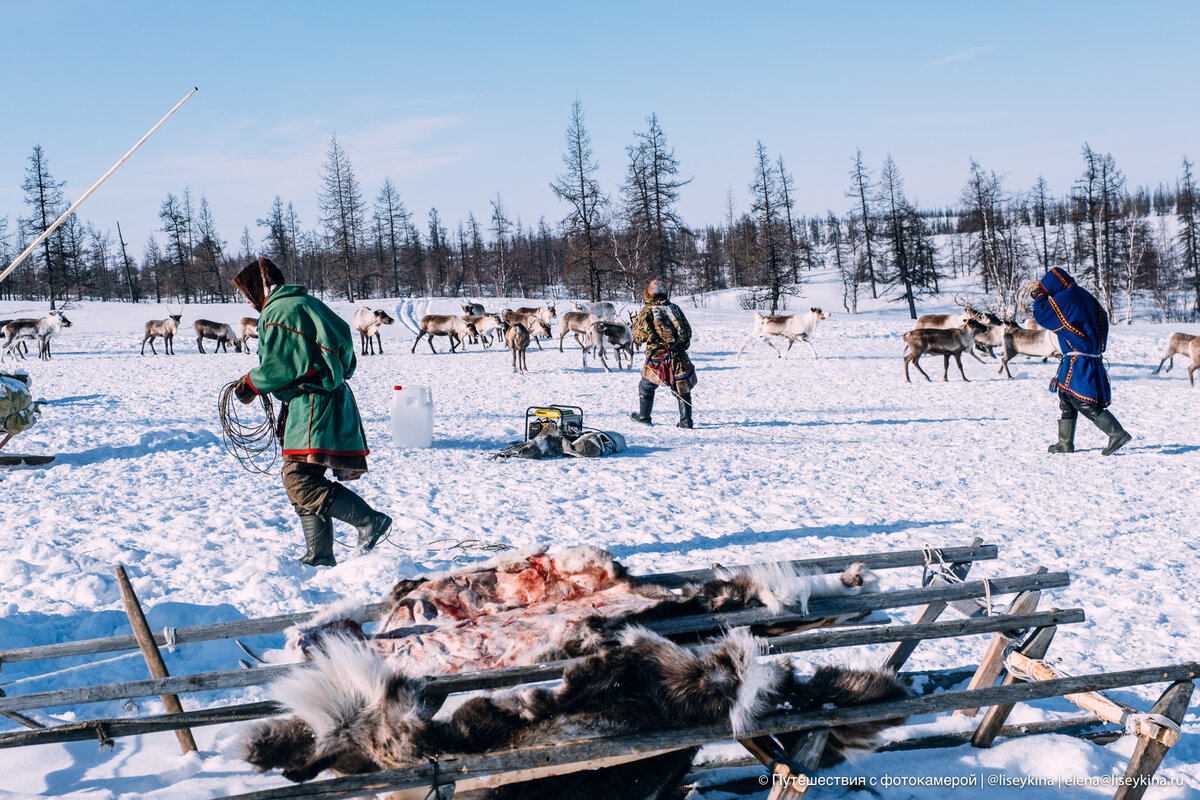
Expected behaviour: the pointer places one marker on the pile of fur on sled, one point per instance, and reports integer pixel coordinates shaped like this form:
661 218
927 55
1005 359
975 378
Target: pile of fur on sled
359 703
354 714
527 608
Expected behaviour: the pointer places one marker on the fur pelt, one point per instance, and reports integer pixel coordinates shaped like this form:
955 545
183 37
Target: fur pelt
353 714
539 606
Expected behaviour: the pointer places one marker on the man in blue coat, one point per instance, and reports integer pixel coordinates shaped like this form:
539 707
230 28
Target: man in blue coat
1066 308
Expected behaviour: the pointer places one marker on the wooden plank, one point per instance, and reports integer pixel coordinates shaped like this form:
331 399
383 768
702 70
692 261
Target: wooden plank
993 720
269 625
1103 707
863 603
992 663
1149 753
511 676
584 750
154 659
901 652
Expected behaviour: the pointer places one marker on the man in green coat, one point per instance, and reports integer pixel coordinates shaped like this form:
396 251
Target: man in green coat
665 331
305 357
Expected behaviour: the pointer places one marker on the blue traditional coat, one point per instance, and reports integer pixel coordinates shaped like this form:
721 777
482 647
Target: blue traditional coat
1079 320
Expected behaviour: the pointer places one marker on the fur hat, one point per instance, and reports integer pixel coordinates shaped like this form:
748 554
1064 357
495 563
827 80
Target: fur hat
655 290
256 280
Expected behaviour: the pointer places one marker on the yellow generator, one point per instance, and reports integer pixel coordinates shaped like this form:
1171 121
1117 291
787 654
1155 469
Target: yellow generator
569 420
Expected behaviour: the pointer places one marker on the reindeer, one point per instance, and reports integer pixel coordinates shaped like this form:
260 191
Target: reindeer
20 343
941 342
544 313
578 323
618 335
248 328
485 324
993 337
605 312
43 330
222 333
1177 345
517 338
473 310
1039 343
456 328
793 327
166 328
949 321
368 323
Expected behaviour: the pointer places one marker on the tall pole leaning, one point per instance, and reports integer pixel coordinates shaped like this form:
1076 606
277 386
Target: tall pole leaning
16 262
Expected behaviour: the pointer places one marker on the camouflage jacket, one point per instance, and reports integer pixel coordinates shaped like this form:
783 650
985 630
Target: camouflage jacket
663 328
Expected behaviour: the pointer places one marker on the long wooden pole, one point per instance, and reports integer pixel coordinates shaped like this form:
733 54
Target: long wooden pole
154 659
95 186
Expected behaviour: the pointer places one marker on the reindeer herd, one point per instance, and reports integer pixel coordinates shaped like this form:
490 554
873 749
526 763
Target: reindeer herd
974 330
595 328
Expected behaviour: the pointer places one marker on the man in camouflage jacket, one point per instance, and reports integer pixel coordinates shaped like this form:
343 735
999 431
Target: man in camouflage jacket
306 355
665 331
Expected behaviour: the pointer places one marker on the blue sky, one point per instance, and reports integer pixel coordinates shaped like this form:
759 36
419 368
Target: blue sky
458 102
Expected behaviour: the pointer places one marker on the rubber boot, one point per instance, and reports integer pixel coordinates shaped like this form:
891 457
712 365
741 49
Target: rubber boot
1066 437
645 406
685 411
318 538
371 524
1117 436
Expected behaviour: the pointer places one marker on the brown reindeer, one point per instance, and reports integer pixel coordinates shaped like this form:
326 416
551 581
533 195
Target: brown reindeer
544 313
1177 345
248 328
941 342
455 328
578 323
517 338
222 333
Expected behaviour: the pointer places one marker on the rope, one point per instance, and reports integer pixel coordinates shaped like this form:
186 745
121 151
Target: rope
248 443
1161 721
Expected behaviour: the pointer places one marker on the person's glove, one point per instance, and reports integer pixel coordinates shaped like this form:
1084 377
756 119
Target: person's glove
1037 292
243 392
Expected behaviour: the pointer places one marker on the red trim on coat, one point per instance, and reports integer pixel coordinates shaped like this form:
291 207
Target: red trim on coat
250 383
298 333
326 451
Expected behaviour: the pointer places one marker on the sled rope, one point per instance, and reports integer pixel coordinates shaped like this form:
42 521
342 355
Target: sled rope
248 443
948 575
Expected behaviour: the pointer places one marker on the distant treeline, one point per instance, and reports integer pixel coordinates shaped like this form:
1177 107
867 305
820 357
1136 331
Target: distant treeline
1121 242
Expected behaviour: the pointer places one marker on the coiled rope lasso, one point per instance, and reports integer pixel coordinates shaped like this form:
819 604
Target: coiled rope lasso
249 443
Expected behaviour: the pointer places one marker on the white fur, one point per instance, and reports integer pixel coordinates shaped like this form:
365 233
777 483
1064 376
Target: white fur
342 679
759 679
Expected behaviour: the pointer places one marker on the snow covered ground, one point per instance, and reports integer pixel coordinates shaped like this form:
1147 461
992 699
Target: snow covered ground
790 459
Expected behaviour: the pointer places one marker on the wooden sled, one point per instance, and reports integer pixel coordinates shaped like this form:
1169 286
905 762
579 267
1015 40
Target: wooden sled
16 460
786 743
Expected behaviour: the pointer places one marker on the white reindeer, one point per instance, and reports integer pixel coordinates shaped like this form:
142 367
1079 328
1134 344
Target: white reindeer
43 330
165 328
793 327
368 322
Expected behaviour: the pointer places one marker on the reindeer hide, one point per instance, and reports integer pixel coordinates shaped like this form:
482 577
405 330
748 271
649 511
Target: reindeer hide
525 609
354 713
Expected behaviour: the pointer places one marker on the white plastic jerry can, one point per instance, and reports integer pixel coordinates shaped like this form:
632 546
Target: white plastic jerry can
412 416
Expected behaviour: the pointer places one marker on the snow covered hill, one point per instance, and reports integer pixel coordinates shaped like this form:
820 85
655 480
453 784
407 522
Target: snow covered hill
790 458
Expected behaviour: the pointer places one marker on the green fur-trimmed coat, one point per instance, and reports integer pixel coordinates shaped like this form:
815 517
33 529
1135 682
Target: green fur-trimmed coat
306 355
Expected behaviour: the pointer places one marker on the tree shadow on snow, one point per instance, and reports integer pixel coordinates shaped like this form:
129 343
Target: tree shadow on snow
83 399
780 423
751 537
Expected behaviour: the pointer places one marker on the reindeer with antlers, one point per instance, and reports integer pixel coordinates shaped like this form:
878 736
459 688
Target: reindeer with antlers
164 329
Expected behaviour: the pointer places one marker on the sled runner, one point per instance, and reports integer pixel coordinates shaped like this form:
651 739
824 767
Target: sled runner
789 743
16 460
